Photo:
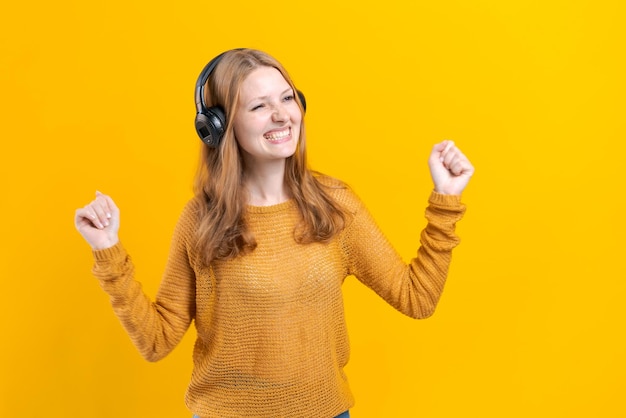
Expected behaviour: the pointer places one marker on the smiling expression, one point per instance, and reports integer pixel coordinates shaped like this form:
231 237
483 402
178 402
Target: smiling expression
268 118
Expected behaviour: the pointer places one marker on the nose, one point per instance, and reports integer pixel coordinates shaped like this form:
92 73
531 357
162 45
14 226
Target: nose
280 113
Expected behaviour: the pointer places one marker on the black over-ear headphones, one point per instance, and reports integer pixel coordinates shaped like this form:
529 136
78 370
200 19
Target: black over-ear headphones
211 121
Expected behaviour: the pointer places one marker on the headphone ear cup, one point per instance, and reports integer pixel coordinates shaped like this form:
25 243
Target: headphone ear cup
302 99
211 125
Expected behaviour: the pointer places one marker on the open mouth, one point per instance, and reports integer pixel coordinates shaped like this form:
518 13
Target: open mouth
278 136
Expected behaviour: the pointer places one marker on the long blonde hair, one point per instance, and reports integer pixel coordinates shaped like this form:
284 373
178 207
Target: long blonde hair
222 232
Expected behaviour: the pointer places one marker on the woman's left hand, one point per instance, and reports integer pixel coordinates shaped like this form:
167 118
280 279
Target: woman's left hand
449 168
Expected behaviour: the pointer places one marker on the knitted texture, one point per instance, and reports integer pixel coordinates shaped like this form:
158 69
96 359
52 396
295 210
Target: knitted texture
271 333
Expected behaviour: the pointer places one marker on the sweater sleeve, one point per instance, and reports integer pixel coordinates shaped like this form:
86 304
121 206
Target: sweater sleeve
414 288
155 327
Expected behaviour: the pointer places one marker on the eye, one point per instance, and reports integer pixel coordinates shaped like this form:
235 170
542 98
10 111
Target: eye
257 107
288 98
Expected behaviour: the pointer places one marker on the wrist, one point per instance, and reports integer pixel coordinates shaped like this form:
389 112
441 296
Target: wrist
98 246
445 192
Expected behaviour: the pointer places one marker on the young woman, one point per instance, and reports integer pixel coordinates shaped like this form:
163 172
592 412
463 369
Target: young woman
259 255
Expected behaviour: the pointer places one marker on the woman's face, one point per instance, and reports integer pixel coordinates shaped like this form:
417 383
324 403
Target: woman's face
267 118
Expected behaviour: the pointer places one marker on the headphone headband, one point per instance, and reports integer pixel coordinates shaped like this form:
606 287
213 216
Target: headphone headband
204 76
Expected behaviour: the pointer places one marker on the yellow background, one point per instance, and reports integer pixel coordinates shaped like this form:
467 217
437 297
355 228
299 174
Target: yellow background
98 95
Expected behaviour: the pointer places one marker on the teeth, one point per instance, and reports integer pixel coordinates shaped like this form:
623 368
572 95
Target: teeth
275 136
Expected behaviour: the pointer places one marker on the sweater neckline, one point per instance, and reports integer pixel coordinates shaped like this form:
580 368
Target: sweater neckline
279 207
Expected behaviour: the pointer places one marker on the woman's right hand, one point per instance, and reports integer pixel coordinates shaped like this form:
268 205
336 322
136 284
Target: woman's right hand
99 222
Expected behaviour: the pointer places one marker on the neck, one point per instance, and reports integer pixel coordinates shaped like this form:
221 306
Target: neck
266 185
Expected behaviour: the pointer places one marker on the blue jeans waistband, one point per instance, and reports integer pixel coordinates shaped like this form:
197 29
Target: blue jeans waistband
343 415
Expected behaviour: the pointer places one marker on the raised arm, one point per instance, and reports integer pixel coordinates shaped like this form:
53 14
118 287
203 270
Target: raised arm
155 327
414 288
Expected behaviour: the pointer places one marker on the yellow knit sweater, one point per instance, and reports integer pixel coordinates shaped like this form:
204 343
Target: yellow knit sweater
272 339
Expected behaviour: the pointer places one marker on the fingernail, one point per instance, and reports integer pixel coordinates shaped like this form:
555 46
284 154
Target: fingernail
108 215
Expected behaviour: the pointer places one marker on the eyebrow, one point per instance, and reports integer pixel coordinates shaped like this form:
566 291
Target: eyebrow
289 89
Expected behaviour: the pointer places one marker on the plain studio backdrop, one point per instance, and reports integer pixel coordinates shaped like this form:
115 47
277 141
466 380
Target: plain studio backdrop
99 96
